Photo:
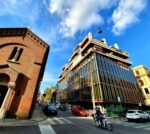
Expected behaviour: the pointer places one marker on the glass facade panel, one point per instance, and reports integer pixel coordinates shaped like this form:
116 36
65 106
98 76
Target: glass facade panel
77 84
116 81
107 78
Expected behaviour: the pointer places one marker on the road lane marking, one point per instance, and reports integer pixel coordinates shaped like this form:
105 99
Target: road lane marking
58 120
51 121
126 125
46 129
69 122
142 126
147 128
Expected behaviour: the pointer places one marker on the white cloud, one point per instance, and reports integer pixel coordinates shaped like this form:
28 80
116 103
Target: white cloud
78 15
25 9
49 78
126 14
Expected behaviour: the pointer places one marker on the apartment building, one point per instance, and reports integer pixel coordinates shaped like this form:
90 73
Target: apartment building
143 76
99 75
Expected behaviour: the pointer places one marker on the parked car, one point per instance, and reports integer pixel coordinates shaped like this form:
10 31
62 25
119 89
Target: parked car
43 106
62 108
148 114
137 115
78 111
50 109
58 105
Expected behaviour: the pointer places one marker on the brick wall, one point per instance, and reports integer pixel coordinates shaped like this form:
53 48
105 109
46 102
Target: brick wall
28 70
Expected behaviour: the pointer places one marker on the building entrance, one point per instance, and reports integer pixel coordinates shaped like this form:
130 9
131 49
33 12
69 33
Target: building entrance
3 91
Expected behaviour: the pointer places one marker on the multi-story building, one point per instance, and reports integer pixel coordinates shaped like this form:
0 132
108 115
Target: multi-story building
98 74
23 57
143 76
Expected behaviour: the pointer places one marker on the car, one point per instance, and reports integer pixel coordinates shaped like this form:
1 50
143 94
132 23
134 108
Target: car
43 106
50 109
58 105
79 111
137 115
148 114
62 108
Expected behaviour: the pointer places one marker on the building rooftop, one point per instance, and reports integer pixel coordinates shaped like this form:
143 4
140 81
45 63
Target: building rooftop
88 45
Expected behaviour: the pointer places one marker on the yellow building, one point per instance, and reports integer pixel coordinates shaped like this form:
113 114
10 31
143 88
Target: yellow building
143 76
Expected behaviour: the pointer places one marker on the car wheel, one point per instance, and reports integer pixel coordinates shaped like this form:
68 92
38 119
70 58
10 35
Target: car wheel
141 119
148 118
97 123
129 120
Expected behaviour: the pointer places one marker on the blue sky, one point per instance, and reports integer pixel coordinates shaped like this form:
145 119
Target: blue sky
64 23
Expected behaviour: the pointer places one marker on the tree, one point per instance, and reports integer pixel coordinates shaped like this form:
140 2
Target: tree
48 94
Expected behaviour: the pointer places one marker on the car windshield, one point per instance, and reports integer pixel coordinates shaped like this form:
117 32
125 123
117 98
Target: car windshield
52 106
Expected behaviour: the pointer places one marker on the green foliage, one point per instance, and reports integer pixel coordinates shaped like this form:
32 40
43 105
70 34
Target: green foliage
115 110
48 92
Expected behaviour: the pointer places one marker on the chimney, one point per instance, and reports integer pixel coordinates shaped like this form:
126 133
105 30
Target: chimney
104 41
116 46
90 36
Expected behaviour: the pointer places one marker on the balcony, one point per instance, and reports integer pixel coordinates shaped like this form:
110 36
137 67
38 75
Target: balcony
148 73
138 76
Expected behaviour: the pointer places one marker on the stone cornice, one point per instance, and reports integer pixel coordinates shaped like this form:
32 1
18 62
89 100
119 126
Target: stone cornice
4 32
7 65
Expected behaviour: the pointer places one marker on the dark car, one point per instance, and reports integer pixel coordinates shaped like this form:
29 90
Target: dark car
50 109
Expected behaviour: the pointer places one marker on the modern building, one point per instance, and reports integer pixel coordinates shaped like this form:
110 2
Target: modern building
99 75
143 76
23 57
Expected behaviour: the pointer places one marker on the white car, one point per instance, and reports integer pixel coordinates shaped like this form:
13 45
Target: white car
137 115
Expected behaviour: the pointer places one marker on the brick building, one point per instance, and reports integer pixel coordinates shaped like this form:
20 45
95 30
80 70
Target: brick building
23 57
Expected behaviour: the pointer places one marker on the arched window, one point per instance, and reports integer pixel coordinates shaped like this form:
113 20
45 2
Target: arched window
16 53
4 78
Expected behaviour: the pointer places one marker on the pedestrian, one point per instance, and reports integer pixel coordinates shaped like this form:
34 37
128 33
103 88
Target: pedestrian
93 113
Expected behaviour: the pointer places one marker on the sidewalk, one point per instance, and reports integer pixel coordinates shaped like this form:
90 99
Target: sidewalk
16 122
111 119
116 119
37 116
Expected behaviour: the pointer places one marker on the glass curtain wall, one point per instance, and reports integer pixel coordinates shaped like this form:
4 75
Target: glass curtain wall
78 83
117 81
108 80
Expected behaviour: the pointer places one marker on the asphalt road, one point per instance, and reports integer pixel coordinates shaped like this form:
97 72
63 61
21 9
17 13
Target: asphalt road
66 123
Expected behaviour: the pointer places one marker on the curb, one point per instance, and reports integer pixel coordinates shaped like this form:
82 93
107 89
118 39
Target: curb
32 122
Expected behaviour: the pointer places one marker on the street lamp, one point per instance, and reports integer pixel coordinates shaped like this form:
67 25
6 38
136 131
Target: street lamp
100 30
